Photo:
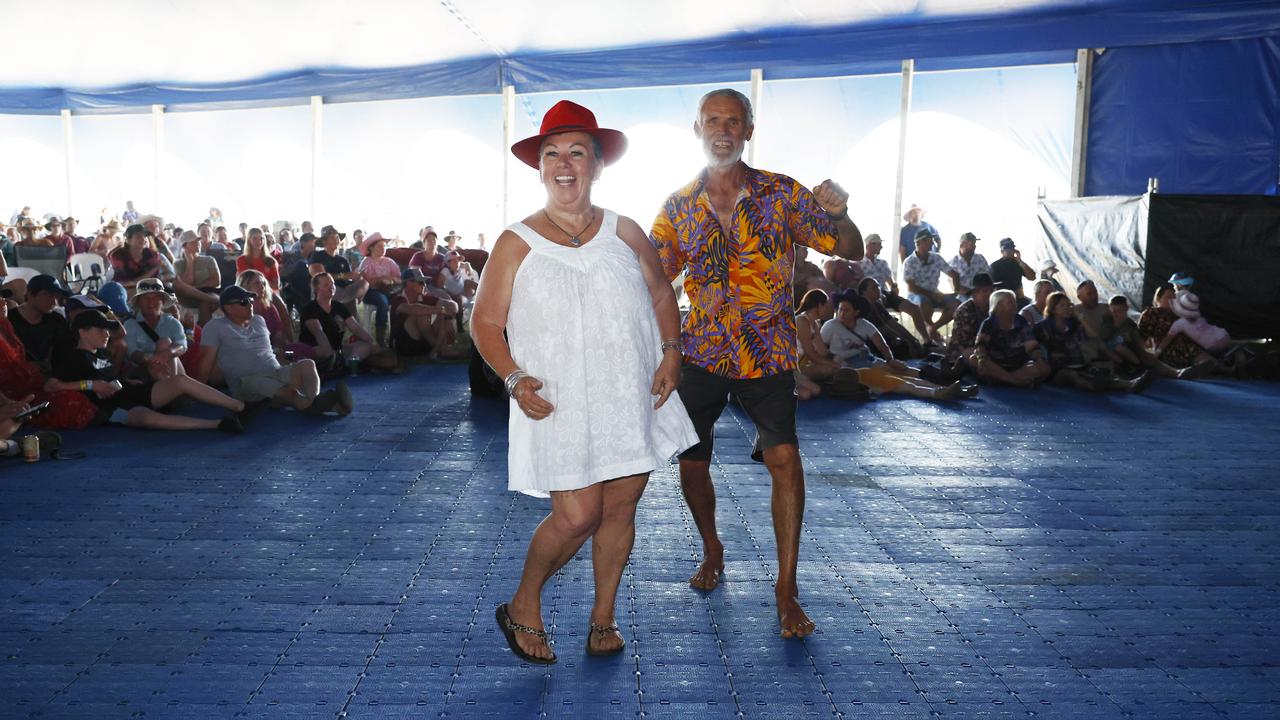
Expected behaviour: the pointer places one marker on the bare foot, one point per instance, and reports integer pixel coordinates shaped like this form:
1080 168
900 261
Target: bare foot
795 623
708 575
531 644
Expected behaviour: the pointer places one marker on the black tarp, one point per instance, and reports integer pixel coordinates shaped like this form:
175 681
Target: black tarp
1230 244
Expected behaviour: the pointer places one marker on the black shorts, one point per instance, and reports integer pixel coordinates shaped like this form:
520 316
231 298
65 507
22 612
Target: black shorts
891 300
407 346
770 402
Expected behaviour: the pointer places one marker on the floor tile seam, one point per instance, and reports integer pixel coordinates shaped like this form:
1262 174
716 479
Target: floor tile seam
454 505
738 507
629 573
693 538
933 711
325 600
480 597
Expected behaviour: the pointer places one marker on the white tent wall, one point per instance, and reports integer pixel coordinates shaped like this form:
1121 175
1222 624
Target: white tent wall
981 143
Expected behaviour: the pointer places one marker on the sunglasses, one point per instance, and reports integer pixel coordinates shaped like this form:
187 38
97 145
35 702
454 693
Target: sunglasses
246 302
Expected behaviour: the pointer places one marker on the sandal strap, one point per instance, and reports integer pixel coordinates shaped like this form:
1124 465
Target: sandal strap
517 627
605 629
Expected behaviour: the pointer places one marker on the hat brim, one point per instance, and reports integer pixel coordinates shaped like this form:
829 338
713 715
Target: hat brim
613 144
169 300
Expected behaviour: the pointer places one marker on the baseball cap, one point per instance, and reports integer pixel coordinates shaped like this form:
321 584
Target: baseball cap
968 236
234 294
46 283
872 238
1007 244
413 275
982 280
926 233
85 302
136 228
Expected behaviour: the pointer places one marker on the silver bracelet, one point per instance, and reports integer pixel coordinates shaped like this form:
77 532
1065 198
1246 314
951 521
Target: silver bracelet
511 380
672 344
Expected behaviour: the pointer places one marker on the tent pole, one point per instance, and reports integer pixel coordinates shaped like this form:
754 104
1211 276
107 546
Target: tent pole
904 112
1084 98
317 116
157 125
66 151
508 139
757 91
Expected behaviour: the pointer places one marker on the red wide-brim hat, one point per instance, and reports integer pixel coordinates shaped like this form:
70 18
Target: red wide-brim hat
566 116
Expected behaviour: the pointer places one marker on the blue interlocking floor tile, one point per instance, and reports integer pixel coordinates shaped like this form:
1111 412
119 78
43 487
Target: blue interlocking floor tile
977 561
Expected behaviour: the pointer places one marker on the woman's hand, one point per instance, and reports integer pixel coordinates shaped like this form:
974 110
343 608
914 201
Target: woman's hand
667 378
104 389
531 403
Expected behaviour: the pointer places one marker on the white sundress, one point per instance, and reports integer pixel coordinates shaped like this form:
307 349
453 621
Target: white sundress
582 321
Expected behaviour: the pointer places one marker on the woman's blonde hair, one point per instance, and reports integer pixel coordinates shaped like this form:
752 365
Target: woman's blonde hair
245 277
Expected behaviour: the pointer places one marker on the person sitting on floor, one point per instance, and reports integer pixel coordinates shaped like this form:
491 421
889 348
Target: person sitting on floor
922 271
270 308
970 314
1096 320
383 275
851 339
20 378
1062 340
1033 312
901 341
815 362
325 322
349 287
155 338
838 273
137 404
1005 348
1213 340
239 345
1154 323
1128 345
422 324
37 322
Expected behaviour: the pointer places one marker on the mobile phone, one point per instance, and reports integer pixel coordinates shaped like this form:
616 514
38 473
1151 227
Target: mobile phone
31 411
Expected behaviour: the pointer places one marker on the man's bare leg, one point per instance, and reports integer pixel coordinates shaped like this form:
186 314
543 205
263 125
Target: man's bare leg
784 466
700 494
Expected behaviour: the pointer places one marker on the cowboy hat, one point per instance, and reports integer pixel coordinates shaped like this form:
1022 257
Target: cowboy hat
566 116
906 216
369 242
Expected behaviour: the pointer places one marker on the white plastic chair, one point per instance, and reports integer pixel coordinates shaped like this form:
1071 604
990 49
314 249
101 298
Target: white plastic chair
85 272
20 273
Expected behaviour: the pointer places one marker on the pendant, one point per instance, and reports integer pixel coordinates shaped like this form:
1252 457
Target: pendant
574 241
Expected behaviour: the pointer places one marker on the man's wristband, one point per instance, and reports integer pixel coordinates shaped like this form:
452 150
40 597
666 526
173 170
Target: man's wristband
842 216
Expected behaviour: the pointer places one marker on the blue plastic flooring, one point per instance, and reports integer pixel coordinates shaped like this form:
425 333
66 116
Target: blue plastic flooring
1028 555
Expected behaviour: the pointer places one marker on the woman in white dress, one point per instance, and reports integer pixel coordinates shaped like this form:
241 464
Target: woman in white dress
574 311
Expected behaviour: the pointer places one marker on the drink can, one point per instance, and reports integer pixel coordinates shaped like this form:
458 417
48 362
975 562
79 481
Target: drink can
31 448
353 366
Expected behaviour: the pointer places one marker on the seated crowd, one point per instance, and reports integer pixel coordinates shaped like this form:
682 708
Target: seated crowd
846 323
237 324
268 317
